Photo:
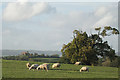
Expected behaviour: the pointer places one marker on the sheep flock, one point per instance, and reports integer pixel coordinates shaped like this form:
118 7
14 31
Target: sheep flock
45 66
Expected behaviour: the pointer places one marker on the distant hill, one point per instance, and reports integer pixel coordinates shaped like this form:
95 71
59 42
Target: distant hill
18 52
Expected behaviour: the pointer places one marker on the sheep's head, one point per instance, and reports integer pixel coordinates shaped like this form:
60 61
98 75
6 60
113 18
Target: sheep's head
38 68
29 65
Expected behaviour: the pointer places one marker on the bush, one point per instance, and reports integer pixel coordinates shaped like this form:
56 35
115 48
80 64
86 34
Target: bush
21 57
119 61
113 63
100 62
55 56
9 57
64 60
106 63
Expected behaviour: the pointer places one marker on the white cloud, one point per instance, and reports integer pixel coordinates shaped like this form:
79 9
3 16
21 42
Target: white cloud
84 21
102 16
51 33
24 10
107 20
101 11
107 16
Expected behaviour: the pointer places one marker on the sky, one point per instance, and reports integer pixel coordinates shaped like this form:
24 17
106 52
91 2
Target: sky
49 25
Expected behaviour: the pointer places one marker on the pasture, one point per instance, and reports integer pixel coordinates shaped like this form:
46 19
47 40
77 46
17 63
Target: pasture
17 69
47 60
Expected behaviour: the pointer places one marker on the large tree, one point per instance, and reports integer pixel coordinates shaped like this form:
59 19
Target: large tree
86 48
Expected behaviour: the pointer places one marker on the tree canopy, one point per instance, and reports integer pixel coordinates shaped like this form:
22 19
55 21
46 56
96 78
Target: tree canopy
88 49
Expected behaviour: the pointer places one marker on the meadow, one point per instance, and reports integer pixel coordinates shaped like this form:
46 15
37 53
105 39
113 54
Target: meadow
17 69
47 60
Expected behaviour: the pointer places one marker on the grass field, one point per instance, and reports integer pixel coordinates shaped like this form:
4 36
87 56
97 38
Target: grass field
47 60
17 69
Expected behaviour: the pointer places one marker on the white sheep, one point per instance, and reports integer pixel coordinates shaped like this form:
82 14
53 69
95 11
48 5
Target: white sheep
33 66
77 63
40 67
56 65
84 69
28 65
44 66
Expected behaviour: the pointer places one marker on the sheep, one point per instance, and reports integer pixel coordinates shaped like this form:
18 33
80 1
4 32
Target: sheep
40 67
28 65
56 65
77 63
33 66
43 66
84 69
46 66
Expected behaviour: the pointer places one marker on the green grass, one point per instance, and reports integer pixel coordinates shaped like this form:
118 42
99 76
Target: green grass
17 69
48 60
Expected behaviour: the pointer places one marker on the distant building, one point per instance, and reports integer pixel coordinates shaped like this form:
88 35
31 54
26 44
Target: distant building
25 53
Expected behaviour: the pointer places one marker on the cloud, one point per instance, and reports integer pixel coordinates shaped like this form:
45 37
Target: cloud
105 21
103 15
52 31
101 11
85 21
24 10
107 16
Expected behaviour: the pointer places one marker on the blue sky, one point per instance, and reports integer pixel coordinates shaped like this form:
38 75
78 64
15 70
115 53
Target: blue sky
47 26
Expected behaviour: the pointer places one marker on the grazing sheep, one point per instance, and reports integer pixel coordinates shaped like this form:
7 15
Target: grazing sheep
34 66
84 69
77 63
40 67
56 65
44 66
28 65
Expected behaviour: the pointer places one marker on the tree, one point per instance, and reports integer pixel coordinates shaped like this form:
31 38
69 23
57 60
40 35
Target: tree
79 49
36 54
103 48
86 48
42 55
107 31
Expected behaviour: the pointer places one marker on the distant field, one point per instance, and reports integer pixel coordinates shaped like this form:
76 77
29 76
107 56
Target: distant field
48 60
17 69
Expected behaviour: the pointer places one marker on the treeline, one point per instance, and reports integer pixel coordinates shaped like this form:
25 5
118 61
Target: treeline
20 57
29 56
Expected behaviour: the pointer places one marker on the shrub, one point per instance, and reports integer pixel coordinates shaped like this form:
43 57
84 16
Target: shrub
64 60
106 63
113 63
